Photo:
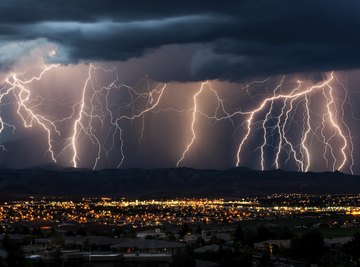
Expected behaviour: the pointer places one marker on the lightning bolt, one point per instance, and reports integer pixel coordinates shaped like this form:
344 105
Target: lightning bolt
288 103
193 121
267 117
96 120
306 134
26 106
297 94
220 109
91 109
89 115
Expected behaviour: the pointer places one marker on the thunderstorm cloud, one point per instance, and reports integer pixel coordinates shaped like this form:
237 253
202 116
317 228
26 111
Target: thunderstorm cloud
195 40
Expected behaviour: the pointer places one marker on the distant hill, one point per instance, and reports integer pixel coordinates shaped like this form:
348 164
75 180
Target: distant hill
169 183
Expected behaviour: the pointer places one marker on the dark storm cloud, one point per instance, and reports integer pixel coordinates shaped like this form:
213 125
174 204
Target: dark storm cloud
233 39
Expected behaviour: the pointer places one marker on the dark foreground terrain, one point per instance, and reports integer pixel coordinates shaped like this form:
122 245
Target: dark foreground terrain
170 183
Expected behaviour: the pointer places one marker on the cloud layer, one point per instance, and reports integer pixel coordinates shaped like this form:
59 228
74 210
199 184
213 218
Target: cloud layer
227 40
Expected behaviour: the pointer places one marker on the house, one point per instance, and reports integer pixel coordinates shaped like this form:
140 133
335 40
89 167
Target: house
201 263
33 248
151 246
191 238
207 236
104 260
95 242
42 243
337 242
208 248
13 237
145 259
78 258
270 244
78 242
151 234
223 236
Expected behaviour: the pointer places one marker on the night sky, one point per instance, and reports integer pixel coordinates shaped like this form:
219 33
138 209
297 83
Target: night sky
153 84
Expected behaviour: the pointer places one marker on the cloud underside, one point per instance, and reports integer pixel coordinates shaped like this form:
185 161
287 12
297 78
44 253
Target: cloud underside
227 40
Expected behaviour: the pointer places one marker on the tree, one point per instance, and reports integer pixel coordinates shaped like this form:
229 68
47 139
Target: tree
185 228
263 233
249 237
352 248
171 236
81 231
265 259
336 258
55 256
184 259
15 255
309 247
57 240
239 233
284 233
